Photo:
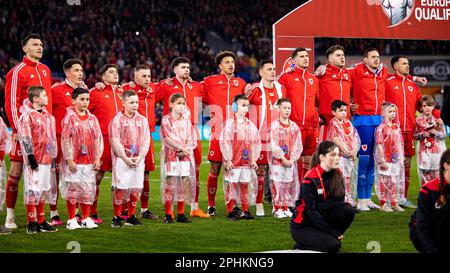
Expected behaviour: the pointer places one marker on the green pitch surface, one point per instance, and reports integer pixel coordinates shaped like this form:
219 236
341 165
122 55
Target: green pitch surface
369 230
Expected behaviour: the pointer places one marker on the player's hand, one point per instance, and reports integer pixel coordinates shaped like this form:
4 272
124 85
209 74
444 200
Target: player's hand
129 162
254 165
383 166
100 86
248 89
83 85
286 163
341 237
16 137
97 164
72 166
320 71
1 163
228 165
422 80
353 107
426 134
132 84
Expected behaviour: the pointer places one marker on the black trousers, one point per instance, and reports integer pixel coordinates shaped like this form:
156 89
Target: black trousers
339 217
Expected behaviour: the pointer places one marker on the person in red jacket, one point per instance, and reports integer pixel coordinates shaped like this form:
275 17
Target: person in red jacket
29 72
334 84
263 97
303 90
104 104
402 91
192 91
146 92
62 98
218 92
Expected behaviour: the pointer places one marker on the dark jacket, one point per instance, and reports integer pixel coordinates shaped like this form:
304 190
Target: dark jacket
312 206
429 216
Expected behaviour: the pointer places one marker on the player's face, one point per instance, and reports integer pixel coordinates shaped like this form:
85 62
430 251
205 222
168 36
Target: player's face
402 66
178 106
227 65
34 49
302 59
340 113
242 107
285 109
331 159
267 72
337 58
182 70
143 77
427 109
372 59
81 103
42 100
131 104
111 76
75 73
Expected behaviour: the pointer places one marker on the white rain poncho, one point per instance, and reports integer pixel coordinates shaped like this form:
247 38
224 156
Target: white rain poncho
177 134
5 147
347 135
82 142
285 141
240 143
428 149
129 137
38 137
389 160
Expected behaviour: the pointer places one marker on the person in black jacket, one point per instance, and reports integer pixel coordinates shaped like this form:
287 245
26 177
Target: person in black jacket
321 216
430 223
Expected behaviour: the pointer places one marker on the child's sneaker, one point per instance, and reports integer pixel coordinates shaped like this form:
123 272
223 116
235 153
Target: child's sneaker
288 213
88 223
407 204
72 224
79 219
247 216
168 219
4 231
147 214
234 215
372 205
260 210
183 219
279 214
33 228
362 206
116 222
96 219
132 221
46 227
56 221
386 208
397 208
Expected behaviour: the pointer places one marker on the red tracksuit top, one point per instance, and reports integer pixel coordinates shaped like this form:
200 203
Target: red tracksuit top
62 98
146 102
18 80
218 93
104 104
368 88
333 85
191 90
405 94
302 89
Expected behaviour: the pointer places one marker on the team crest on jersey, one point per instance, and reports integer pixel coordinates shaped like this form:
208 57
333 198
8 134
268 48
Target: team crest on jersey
44 73
364 147
410 88
261 157
189 85
211 153
311 81
236 82
346 76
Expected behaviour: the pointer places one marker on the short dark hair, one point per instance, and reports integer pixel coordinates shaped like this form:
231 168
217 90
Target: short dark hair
239 97
297 50
333 49
79 91
370 49
280 101
336 104
397 58
141 67
264 62
219 57
105 68
30 36
180 60
70 62
34 91
173 98
127 94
